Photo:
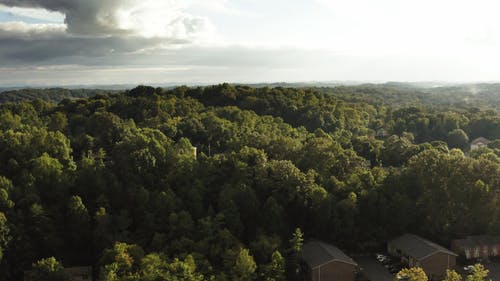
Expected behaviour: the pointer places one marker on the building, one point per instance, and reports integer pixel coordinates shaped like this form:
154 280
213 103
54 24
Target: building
479 246
416 251
479 142
194 150
80 273
327 262
381 133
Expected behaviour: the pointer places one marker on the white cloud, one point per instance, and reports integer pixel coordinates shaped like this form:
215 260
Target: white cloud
413 27
161 19
325 39
35 13
98 28
148 18
22 30
218 6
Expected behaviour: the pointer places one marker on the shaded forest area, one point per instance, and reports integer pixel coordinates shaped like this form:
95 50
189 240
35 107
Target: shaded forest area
54 95
114 181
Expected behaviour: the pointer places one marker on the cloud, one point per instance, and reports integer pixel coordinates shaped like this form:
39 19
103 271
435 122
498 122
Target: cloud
22 43
40 15
182 65
220 6
21 30
147 18
94 29
197 64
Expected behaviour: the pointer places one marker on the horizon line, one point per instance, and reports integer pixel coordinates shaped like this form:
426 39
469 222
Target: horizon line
190 84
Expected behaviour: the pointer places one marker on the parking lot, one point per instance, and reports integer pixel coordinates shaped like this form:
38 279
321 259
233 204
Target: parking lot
494 267
373 269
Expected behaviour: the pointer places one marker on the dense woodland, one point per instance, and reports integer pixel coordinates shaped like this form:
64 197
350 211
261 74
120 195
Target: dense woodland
55 95
113 181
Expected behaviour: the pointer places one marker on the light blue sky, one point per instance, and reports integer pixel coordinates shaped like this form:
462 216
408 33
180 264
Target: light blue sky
155 41
6 17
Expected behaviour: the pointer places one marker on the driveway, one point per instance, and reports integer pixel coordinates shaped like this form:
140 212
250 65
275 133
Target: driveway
373 269
494 268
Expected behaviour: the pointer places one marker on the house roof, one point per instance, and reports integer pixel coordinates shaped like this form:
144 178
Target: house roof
418 247
480 140
316 253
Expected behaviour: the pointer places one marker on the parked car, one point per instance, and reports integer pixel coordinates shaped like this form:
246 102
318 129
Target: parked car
394 269
468 268
382 258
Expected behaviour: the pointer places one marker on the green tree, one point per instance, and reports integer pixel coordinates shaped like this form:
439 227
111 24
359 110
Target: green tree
78 231
479 273
458 139
244 266
5 188
296 241
452 275
185 270
294 267
121 261
411 274
397 150
49 269
275 270
4 234
78 211
58 121
152 267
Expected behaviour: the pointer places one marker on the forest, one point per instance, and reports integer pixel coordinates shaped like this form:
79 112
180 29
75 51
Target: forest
225 182
54 95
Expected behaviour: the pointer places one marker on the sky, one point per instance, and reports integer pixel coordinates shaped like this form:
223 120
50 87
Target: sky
80 42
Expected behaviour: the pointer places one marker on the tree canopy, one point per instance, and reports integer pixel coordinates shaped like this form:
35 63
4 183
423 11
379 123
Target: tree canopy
225 182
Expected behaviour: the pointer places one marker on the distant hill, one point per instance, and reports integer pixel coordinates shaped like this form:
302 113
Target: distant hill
390 93
54 95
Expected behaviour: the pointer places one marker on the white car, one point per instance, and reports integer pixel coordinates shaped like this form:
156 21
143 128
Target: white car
382 258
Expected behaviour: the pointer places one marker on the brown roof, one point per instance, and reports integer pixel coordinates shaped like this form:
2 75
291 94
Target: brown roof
418 247
316 253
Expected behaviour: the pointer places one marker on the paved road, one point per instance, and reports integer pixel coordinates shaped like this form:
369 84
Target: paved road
373 269
494 268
